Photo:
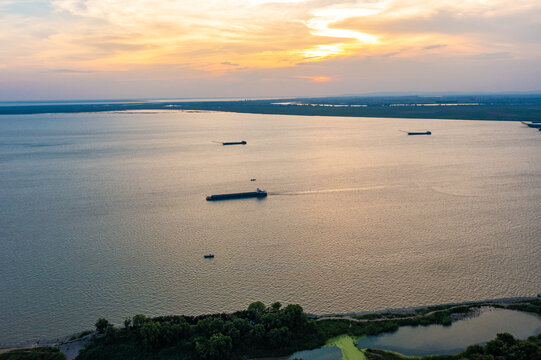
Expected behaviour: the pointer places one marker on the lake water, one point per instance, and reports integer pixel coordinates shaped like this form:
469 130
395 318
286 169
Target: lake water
438 339
324 353
104 215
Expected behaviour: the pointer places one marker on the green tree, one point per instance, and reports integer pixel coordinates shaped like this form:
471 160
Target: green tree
507 339
101 325
495 347
524 350
209 326
219 347
110 334
294 316
201 347
276 306
139 320
127 322
272 320
243 325
474 349
259 333
231 330
258 307
280 337
173 333
151 334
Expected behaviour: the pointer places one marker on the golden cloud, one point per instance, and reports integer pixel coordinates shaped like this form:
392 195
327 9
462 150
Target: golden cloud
212 35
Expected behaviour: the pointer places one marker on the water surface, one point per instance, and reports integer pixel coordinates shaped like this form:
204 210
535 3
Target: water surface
104 215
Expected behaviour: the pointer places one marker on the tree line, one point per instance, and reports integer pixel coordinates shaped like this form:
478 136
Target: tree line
257 331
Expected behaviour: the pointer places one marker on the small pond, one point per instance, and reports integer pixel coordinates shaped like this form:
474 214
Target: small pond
438 339
324 353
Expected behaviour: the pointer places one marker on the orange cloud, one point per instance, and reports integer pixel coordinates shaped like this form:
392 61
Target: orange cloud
223 38
316 78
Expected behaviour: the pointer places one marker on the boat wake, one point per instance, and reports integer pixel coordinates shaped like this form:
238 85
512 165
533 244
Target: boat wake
326 191
454 194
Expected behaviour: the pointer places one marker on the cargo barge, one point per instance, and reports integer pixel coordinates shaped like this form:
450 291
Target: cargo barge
254 194
532 124
234 143
419 133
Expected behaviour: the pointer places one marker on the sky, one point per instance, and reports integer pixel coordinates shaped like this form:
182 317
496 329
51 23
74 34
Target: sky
121 49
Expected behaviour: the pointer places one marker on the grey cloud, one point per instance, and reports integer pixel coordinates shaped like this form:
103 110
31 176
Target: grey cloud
72 71
520 26
435 46
494 55
390 54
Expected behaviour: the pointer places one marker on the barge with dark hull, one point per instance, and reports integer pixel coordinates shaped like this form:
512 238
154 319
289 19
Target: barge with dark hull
428 132
254 194
234 143
532 124
419 132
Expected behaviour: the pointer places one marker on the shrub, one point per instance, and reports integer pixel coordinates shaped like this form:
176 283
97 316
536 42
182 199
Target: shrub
101 325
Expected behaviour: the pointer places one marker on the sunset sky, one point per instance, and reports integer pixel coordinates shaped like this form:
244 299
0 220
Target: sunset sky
98 49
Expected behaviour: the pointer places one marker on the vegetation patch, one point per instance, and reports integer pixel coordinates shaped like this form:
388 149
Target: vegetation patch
335 327
256 332
262 331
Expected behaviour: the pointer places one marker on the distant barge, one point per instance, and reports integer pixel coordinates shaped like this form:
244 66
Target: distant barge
255 194
419 133
532 124
234 143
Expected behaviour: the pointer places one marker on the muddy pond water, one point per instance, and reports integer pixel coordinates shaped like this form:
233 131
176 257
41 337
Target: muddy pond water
438 339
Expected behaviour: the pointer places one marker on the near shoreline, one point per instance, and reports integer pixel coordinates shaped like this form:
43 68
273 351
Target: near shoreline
71 344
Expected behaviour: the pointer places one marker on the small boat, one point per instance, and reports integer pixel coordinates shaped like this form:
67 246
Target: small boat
209 256
234 143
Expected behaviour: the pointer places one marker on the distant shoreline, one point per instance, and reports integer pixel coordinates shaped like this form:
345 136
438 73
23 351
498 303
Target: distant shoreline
474 107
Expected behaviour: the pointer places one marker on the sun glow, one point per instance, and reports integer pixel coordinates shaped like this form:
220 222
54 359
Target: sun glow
324 20
322 51
316 78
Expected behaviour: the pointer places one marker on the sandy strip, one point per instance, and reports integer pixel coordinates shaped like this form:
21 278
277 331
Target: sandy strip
69 348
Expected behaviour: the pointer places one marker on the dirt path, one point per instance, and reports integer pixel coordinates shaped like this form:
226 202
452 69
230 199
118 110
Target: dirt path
384 318
71 349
